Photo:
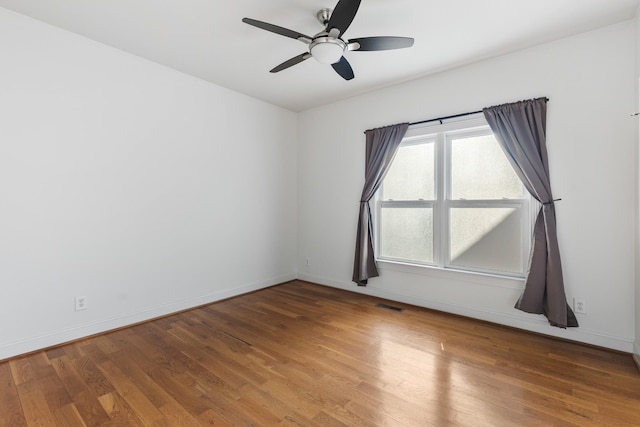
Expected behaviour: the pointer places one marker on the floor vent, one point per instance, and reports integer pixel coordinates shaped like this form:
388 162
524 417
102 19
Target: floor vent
389 307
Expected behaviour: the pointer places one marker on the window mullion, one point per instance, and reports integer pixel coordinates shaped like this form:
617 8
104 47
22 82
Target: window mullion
440 212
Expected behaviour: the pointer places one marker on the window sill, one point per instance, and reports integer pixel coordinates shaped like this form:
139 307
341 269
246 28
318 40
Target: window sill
451 274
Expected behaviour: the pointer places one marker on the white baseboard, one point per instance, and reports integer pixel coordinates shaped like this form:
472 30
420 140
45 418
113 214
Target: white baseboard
636 353
528 322
34 343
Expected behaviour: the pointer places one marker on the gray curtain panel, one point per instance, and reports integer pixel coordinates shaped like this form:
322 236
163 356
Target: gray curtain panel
382 145
520 128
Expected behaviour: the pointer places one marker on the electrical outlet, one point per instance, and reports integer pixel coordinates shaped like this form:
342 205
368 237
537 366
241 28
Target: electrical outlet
308 262
580 305
81 303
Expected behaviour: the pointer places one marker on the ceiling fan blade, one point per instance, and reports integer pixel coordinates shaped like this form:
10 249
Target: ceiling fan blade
343 68
381 43
291 62
278 30
343 15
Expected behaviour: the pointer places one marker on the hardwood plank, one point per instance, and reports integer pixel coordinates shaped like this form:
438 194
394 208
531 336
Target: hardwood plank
300 354
182 391
84 398
126 361
276 405
212 418
12 413
131 394
119 412
54 353
325 419
40 364
93 377
35 407
68 416
176 415
21 370
54 391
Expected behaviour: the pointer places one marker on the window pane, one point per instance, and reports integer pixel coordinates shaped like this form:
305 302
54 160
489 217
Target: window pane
407 234
487 238
411 175
480 170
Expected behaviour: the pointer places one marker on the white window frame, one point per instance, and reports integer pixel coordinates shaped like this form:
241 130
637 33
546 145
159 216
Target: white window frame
441 134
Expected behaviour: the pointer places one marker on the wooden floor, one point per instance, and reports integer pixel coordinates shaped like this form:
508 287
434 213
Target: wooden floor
305 355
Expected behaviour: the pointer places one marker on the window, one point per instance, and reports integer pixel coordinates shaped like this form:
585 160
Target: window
452 200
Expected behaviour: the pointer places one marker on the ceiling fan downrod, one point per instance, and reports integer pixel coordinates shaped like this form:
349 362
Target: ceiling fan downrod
323 16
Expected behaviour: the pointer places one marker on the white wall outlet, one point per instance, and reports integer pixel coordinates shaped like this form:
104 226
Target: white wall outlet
81 303
308 261
580 305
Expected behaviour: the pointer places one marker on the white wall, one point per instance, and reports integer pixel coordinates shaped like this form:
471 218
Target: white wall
637 180
589 79
141 188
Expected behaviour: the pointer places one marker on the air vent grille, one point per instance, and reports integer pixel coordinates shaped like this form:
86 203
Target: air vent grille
389 307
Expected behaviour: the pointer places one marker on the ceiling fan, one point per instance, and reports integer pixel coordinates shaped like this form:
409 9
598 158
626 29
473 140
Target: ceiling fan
328 46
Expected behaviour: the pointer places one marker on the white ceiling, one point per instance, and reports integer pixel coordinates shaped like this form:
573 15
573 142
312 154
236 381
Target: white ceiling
206 38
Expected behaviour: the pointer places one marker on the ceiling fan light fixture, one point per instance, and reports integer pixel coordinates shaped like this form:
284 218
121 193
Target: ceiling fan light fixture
327 50
329 45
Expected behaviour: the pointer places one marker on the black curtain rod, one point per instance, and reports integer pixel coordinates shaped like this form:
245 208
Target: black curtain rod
440 119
